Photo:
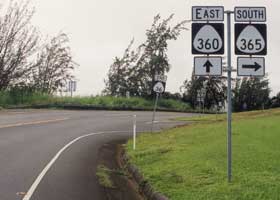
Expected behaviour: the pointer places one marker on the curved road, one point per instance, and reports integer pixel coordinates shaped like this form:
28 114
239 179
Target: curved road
29 140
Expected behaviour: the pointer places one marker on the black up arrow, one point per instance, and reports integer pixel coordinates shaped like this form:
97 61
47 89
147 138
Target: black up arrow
256 66
208 66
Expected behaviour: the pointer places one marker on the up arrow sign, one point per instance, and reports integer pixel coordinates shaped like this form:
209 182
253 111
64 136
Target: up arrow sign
208 66
255 66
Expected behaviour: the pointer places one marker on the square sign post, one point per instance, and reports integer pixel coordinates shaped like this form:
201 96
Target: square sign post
250 40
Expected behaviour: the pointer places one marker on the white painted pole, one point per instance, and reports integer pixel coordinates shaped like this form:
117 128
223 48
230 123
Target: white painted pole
134 132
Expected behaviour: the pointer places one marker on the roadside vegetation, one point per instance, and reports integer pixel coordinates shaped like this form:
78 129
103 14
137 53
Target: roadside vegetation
103 175
31 61
39 100
34 67
190 162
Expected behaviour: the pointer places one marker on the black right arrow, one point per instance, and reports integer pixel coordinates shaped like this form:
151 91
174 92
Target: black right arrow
208 66
256 66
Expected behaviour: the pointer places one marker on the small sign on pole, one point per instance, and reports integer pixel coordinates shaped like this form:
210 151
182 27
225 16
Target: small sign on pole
207 13
208 66
250 14
161 78
208 38
254 66
72 87
250 39
160 83
159 88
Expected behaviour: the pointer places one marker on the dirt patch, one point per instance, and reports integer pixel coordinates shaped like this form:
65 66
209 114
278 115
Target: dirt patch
122 187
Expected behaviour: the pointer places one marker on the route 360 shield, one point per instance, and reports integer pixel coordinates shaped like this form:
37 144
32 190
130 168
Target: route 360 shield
208 38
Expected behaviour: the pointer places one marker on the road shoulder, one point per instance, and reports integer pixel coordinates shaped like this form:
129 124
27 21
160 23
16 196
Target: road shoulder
120 185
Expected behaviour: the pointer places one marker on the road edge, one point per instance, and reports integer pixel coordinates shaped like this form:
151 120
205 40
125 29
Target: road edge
144 186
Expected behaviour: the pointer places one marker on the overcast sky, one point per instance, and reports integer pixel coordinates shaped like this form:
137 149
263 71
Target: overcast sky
101 29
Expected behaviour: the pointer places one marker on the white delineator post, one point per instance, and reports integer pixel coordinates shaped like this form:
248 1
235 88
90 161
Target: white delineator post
134 132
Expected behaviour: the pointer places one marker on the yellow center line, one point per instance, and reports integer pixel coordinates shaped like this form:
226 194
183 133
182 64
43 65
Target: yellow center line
33 123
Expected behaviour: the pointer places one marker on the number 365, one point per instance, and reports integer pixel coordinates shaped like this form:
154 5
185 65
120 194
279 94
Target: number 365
251 44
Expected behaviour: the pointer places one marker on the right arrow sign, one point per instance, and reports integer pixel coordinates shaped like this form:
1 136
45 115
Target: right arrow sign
254 66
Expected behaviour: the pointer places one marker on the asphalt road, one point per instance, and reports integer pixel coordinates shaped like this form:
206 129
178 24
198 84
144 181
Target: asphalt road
30 139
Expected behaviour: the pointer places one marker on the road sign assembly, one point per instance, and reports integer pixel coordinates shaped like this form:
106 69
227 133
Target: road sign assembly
250 14
254 66
208 13
250 39
159 88
160 83
208 66
208 38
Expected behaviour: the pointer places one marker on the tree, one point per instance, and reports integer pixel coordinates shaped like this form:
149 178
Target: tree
155 59
251 94
18 43
54 65
135 71
215 90
122 74
275 101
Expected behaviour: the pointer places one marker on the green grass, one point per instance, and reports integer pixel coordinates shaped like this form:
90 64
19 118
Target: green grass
190 163
103 175
8 100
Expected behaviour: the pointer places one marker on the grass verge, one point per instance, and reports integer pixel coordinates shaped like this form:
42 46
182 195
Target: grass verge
189 163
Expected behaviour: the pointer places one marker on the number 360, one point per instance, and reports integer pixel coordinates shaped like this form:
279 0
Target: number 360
208 44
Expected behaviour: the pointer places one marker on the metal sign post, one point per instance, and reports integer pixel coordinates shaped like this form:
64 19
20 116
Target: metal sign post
134 131
154 113
229 112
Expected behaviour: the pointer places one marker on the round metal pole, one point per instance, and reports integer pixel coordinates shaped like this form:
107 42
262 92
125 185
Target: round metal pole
154 113
229 96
